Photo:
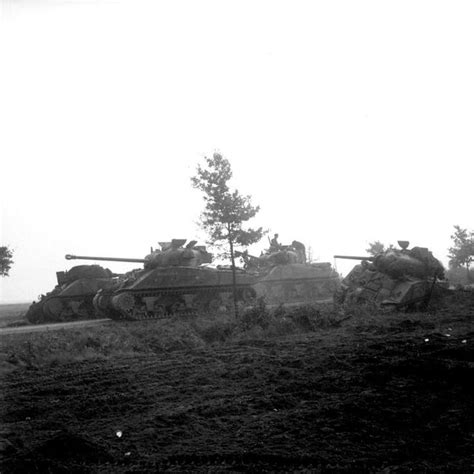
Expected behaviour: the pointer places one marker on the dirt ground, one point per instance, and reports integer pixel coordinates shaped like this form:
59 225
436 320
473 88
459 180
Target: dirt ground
361 397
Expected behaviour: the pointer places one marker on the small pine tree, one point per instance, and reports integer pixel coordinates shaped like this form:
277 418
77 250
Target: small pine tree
226 211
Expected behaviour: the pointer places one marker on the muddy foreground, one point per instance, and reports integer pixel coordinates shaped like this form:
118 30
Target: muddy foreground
396 397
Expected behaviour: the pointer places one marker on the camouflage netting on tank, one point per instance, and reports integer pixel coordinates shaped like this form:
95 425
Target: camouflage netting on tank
417 262
431 263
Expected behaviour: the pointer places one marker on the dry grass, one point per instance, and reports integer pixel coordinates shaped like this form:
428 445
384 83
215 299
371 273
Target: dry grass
161 336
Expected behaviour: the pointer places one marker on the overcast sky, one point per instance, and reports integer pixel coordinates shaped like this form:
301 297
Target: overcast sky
347 122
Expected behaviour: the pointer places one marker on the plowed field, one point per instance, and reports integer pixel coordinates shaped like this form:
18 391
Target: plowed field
357 398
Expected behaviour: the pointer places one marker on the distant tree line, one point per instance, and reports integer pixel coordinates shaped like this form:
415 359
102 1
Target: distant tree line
377 247
461 254
6 260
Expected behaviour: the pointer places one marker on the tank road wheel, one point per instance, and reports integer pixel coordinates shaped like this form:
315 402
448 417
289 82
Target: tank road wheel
176 307
53 307
124 303
159 310
101 303
82 309
59 309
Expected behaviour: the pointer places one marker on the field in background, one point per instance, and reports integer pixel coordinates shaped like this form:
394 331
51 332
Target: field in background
12 312
310 388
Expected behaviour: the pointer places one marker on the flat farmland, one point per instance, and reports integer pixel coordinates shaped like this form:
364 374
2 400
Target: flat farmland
13 312
366 392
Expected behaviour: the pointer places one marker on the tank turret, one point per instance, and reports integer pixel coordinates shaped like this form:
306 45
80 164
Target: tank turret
175 254
171 254
283 255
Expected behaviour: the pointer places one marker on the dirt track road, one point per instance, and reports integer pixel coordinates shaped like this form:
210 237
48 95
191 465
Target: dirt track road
53 327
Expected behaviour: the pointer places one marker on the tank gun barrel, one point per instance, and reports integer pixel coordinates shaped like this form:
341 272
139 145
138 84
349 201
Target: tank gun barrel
105 259
353 257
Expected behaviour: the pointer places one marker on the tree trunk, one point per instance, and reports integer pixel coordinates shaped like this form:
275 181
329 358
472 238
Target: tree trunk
234 279
469 279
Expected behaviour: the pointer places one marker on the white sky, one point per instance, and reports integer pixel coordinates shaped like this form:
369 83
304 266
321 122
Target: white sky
347 122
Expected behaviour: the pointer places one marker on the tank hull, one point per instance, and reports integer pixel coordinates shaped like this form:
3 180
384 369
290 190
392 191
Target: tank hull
402 279
298 283
72 298
163 292
363 285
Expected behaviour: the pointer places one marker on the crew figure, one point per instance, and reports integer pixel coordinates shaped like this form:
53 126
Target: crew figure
274 244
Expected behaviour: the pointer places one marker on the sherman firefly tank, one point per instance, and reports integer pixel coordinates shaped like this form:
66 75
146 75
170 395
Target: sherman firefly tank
173 281
285 277
396 278
72 298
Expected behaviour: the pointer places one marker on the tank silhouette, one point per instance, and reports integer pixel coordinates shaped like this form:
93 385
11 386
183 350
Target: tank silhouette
397 278
174 280
285 277
72 298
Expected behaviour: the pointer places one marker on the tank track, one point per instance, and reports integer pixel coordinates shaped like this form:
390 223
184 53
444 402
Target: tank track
139 305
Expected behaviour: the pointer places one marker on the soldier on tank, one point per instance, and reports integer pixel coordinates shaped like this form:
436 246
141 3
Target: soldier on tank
274 244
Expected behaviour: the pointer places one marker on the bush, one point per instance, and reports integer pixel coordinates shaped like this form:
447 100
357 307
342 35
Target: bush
212 331
314 317
257 315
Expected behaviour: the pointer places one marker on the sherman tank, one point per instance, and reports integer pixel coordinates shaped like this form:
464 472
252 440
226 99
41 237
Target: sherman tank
72 298
285 277
173 280
396 278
